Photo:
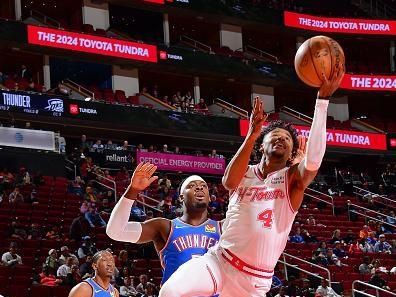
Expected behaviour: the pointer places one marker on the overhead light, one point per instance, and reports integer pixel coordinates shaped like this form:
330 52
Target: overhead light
87 99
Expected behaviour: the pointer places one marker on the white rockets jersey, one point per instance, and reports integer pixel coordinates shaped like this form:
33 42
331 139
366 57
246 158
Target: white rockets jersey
259 218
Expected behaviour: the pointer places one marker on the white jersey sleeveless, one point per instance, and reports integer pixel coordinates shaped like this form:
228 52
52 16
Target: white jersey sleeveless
259 218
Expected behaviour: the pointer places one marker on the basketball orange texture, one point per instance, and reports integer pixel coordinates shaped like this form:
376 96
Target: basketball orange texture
317 55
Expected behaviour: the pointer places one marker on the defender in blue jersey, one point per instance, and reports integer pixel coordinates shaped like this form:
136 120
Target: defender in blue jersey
176 241
99 285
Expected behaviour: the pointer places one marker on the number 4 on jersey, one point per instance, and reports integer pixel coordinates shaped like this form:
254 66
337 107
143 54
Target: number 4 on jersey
266 218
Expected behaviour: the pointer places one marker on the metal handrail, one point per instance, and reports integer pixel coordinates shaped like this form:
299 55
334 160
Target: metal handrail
321 193
110 180
195 43
80 87
371 286
262 53
307 262
375 195
45 18
298 114
75 167
370 210
320 199
232 107
150 198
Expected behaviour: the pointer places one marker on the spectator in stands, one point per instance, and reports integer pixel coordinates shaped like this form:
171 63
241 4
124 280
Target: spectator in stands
65 269
391 217
365 267
371 238
382 246
98 146
350 237
325 291
105 209
336 236
137 214
52 262
73 277
11 258
86 248
77 186
122 260
297 238
322 247
47 279
90 195
25 73
150 290
38 179
62 90
165 149
65 253
306 289
364 233
177 150
378 281
366 247
165 181
54 233
93 217
331 258
307 237
141 287
202 105
16 231
34 232
84 145
123 174
86 269
214 206
15 196
32 198
8 178
128 289
338 250
31 87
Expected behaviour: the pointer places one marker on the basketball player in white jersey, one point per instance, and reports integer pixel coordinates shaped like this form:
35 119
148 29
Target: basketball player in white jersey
264 200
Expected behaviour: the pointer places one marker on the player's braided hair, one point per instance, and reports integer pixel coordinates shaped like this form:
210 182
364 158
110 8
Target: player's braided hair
288 127
97 255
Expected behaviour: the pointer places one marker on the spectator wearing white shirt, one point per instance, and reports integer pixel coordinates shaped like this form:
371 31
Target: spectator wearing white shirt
325 291
11 258
128 290
65 253
382 246
64 269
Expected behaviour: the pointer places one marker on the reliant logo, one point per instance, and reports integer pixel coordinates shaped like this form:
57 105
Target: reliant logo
116 158
55 105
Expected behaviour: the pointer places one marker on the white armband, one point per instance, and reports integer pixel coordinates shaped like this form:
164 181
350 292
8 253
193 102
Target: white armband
316 145
119 228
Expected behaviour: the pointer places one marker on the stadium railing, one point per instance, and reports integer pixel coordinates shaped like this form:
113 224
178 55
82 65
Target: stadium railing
377 289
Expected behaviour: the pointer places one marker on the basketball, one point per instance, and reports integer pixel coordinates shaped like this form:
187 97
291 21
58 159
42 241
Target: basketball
317 55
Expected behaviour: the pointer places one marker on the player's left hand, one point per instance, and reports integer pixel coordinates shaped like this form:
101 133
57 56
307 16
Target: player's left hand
302 148
330 86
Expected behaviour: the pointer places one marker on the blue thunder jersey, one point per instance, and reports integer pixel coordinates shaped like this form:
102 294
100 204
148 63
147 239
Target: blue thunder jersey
98 291
185 242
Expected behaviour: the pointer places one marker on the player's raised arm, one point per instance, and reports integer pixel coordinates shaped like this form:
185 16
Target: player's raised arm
119 228
236 169
316 144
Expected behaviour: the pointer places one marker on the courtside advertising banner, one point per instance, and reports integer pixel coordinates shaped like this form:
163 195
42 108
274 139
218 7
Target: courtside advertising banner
339 138
91 44
366 82
25 138
339 25
185 163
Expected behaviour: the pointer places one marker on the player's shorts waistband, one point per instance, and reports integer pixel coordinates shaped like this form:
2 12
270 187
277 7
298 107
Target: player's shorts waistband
245 267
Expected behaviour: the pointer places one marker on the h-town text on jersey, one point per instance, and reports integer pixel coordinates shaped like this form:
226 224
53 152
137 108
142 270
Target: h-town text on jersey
259 194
